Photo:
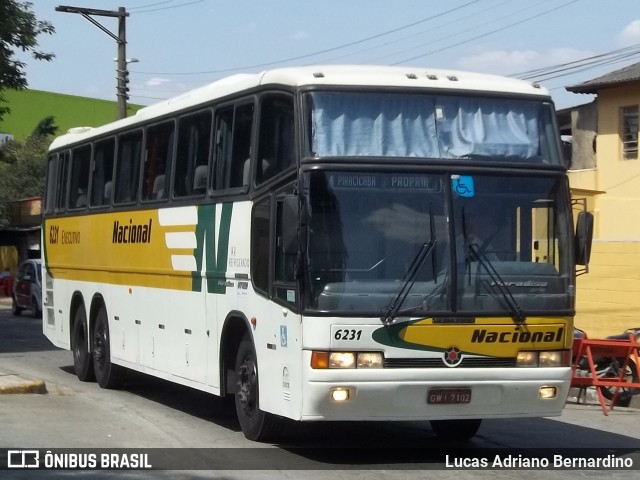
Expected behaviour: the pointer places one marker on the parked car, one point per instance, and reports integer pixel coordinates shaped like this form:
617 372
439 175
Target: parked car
27 288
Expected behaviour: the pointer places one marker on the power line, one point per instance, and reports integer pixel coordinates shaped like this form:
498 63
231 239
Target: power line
432 29
458 33
486 34
320 52
594 60
193 2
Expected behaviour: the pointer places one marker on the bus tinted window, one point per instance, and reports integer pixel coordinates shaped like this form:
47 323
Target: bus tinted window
102 175
81 161
233 146
157 163
49 201
128 168
276 146
61 185
358 124
260 245
192 157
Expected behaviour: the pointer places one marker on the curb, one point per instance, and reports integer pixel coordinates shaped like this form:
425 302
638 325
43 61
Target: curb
11 384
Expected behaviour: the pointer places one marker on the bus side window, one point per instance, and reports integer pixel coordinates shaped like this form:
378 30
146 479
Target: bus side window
233 146
260 234
102 173
128 167
192 156
80 164
157 162
61 182
285 263
52 178
276 145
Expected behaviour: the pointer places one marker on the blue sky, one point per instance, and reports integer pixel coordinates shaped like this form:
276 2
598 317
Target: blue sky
183 44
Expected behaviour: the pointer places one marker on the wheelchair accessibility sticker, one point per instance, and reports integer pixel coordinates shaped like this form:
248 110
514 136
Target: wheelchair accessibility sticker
283 335
463 185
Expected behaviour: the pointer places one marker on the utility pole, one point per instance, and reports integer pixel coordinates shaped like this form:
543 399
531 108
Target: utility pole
121 39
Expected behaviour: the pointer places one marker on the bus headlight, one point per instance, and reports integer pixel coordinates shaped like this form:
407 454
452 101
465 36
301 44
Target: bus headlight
527 359
370 360
342 360
323 360
551 358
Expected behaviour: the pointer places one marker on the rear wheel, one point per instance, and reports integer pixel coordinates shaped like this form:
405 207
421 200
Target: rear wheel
82 358
256 424
460 430
107 374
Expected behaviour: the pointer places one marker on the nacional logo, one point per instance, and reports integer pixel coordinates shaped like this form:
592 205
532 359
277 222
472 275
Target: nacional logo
452 357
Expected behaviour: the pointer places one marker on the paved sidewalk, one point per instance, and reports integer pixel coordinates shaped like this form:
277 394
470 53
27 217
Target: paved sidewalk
11 383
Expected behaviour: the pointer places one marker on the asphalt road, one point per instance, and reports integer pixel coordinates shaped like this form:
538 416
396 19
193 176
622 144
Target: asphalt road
198 433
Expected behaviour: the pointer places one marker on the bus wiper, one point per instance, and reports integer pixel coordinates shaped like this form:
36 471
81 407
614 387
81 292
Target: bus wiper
408 281
409 278
516 312
496 280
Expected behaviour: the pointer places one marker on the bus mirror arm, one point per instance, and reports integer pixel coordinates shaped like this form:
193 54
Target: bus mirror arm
584 237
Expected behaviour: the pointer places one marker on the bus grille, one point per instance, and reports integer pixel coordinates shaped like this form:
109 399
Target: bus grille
438 363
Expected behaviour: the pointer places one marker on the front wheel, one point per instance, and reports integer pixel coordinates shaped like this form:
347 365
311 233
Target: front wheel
458 430
107 374
256 425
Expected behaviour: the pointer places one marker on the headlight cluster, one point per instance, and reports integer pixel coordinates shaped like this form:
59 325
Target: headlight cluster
552 358
323 360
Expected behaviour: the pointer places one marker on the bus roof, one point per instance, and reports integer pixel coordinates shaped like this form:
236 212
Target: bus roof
320 75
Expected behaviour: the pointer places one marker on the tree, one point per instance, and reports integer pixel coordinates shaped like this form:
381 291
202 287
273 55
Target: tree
23 166
19 30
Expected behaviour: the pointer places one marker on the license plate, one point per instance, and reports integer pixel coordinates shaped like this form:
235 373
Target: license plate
448 396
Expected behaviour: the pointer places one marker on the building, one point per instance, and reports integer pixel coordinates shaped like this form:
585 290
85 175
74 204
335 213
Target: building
605 175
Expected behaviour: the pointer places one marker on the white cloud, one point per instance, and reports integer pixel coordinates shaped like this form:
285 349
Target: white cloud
504 62
155 81
631 34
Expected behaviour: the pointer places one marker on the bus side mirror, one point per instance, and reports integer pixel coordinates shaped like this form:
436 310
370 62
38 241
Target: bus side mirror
290 211
584 236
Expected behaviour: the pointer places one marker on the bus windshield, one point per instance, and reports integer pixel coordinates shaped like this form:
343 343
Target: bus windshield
487 245
412 125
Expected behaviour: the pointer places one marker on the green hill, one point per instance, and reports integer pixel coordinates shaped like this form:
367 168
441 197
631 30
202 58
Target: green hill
28 107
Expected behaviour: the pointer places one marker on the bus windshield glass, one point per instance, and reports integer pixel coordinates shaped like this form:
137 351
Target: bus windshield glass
479 245
412 125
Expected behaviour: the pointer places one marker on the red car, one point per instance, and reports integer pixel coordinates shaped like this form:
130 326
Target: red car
27 288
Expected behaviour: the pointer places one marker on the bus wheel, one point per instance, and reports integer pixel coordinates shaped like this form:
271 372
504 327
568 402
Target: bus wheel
256 424
107 374
82 359
460 430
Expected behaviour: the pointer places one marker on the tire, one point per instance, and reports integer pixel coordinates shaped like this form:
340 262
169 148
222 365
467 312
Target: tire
35 308
15 309
625 394
457 430
107 374
256 425
82 358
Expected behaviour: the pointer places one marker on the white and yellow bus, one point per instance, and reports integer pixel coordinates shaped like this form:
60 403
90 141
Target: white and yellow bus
323 243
